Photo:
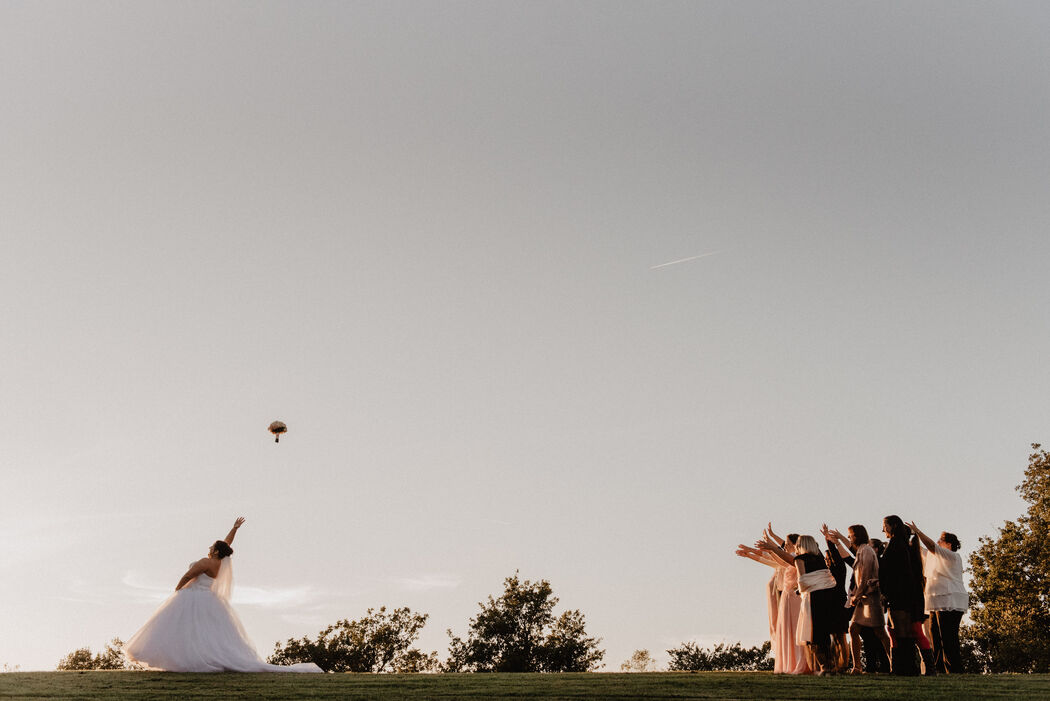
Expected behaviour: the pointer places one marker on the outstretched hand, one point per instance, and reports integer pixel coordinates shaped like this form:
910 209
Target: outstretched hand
233 531
768 533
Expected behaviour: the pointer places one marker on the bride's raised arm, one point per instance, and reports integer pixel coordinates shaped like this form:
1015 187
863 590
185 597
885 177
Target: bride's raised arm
233 531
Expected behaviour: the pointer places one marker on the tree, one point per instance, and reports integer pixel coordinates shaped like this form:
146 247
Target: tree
1010 580
690 657
641 661
518 633
79 659
378 642
112 657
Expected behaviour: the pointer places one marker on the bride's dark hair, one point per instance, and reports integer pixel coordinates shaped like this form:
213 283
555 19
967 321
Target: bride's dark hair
222 549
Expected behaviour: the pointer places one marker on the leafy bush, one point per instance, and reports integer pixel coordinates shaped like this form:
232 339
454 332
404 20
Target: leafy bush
690 657
640 661
112 657
378 642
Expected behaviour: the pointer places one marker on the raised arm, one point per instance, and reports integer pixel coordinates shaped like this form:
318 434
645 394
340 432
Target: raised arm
926 540
842 540
835 540
756 555
233 531
767 544
773 536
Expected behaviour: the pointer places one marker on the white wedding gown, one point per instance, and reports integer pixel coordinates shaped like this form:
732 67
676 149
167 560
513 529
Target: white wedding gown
196 630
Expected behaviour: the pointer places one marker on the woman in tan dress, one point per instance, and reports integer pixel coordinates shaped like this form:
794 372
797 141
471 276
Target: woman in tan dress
864 595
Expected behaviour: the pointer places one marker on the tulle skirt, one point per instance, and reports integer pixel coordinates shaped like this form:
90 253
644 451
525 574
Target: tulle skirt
197 631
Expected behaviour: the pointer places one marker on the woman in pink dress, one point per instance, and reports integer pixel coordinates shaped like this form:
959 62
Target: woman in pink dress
791 657
773 588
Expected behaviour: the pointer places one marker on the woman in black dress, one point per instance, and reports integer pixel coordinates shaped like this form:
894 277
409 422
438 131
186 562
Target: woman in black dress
817 582
835 558
901 586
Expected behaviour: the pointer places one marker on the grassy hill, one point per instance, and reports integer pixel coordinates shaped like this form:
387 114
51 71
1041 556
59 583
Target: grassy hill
707 685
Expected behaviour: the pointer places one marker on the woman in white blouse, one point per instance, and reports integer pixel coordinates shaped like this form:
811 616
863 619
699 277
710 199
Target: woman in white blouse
946 596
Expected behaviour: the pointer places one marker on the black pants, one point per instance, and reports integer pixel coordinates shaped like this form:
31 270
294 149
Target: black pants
945 633
902 652
875 659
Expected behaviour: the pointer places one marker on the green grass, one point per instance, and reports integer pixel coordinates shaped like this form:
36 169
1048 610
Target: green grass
707 685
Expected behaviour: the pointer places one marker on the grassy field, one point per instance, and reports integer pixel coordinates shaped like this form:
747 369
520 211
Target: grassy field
708 685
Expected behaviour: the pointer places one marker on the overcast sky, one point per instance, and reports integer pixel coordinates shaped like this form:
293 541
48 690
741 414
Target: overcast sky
425 236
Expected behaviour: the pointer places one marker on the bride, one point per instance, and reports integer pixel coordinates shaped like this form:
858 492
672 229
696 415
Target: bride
196 630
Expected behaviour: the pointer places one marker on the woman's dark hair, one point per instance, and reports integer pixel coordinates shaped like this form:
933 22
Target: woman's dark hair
860 534
952 540
895 527
222 549
792 538
877 545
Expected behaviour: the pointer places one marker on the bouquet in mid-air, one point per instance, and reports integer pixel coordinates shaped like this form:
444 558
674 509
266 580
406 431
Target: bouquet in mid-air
277 428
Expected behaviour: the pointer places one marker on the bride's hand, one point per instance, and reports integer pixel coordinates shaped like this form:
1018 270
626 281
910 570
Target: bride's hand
233 531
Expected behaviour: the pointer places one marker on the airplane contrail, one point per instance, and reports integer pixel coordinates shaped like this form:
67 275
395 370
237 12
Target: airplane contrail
683 260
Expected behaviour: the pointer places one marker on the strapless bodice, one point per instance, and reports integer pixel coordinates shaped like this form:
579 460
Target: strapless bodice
203 581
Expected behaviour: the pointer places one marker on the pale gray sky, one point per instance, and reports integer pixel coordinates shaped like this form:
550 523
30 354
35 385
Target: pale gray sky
423 235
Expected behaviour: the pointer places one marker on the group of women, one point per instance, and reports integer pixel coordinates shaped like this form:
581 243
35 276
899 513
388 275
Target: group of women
910 581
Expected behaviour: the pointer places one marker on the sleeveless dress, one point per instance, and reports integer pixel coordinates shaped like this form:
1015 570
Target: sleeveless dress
826 604
196 630
791 657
